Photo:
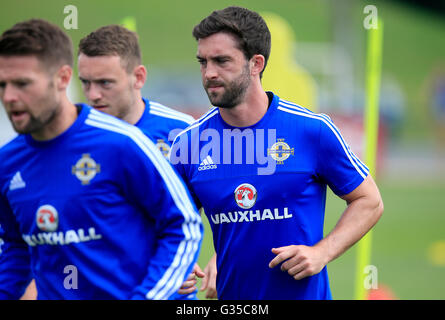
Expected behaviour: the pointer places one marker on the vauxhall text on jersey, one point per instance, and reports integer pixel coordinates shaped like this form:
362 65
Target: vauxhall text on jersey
251 213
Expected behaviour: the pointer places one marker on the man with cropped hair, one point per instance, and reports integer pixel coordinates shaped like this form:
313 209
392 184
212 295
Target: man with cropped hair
112 76
89 207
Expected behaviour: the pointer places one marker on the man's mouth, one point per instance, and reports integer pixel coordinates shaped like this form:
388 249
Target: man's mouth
100 106
18 115
215 86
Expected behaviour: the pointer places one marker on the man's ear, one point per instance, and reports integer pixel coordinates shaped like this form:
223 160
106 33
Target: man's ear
63 77
140 75
257 63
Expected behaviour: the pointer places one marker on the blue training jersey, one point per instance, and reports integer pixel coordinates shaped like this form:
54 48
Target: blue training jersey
95 213
162 124
264 187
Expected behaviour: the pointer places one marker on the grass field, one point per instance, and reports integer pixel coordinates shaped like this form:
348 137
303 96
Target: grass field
413 220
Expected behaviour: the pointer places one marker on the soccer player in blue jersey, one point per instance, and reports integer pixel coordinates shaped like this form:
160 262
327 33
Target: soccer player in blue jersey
110 69
260 167
89 207
112 77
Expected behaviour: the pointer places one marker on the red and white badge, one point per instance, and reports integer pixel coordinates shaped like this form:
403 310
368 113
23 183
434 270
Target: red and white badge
47 218
245 196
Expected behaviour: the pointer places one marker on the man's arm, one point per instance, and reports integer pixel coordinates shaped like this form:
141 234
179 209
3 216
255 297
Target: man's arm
209 281
15 269
364 209
209 274
154 186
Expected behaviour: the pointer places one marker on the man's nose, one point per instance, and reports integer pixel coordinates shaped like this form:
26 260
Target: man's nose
93 93
9 95
210 71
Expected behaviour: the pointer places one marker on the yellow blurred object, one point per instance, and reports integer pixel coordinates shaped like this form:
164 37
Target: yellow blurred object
436 253
283 75
129 23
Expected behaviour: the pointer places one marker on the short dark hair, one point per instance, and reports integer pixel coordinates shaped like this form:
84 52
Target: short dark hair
248 27
113 40
49 43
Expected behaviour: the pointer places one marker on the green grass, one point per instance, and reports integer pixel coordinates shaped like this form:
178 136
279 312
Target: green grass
413 219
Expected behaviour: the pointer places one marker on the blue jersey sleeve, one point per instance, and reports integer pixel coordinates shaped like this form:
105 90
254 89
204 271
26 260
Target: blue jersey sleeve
338 166
180 159
154 186
15 270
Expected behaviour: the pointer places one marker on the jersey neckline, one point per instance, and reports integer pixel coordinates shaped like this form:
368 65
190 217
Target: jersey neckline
84 111
262 122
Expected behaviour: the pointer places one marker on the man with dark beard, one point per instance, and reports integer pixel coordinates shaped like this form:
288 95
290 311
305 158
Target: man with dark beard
264 219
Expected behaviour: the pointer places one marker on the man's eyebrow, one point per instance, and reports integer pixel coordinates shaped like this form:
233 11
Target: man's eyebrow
222 56
23 79
96 80
217 57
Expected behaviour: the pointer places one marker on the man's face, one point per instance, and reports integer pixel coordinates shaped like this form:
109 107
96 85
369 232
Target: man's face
106 84
28 93
224 69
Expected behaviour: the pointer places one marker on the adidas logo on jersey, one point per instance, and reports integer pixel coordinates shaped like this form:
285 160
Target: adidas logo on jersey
17 182
207 164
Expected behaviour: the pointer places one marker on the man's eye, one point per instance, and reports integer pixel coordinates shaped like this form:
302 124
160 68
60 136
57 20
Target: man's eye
22 84
222 60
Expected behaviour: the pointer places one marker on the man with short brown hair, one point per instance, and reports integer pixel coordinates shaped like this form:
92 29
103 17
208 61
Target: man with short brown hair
112 76
89 207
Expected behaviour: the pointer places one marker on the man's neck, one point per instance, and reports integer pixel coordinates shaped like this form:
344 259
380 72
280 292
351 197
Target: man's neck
136 111
64 119
250 111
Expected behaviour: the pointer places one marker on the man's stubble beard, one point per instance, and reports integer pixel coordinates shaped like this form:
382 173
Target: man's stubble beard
234 91
126 107
38 123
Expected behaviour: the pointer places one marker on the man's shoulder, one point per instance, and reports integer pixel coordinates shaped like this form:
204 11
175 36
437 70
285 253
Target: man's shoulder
202 123
113 132
295 112
14 144
12 150
292 109
169 115
12 156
